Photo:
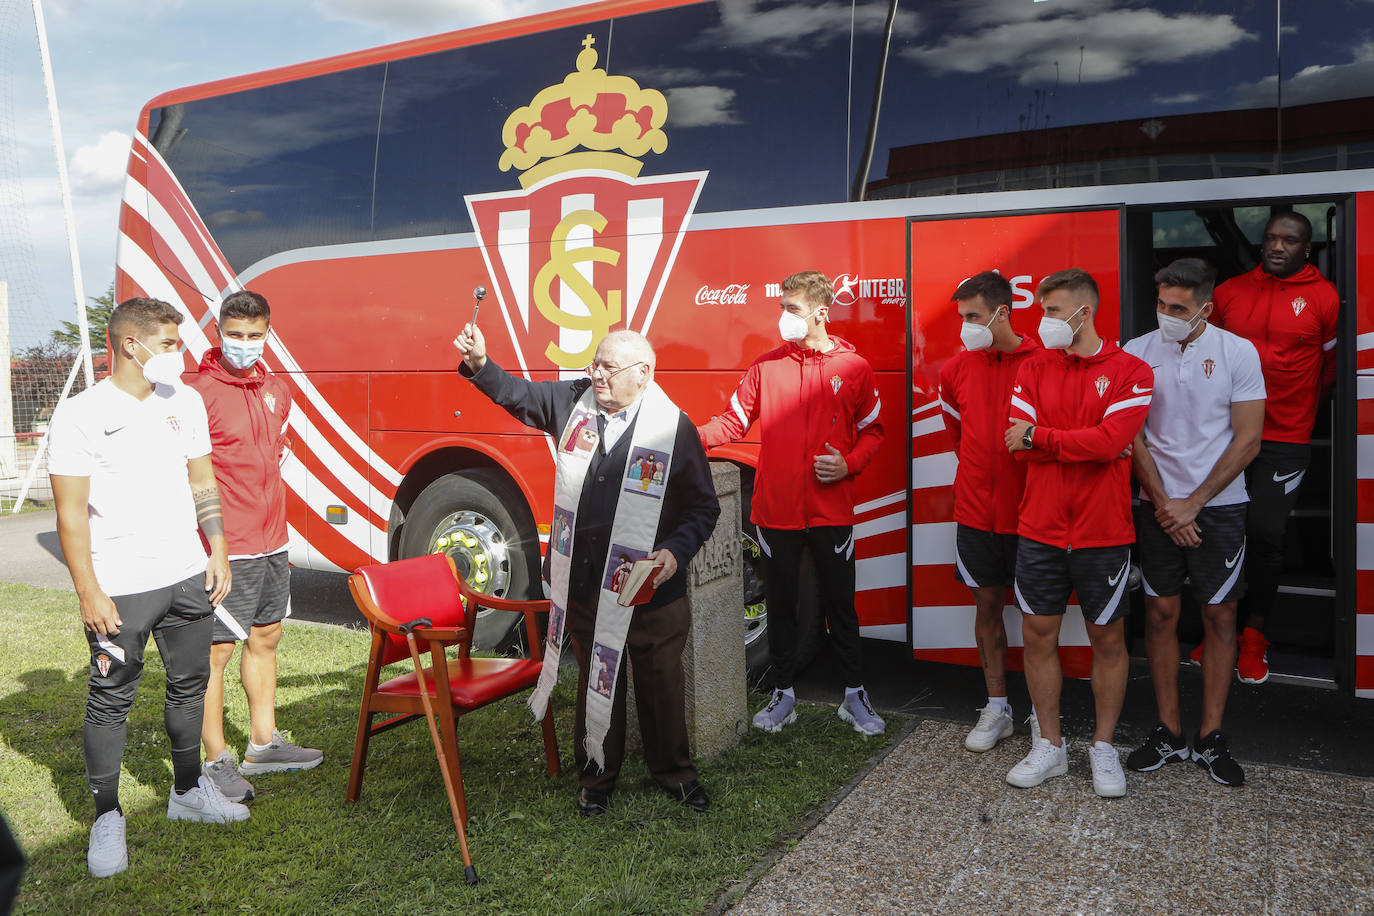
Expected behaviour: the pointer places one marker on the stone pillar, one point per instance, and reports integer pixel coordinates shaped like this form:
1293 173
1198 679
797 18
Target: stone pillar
717 712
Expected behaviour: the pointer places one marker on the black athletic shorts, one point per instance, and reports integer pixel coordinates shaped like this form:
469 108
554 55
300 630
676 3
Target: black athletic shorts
1045 575
984 559
1213 569
259 595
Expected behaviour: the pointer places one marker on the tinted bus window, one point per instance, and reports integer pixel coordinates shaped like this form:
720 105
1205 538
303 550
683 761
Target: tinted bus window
281 167
1328 86
990 96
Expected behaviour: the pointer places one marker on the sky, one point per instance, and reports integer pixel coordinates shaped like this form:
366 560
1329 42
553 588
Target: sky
109 57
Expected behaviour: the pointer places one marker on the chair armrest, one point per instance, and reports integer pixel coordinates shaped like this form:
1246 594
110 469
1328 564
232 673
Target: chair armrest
422 628
539 605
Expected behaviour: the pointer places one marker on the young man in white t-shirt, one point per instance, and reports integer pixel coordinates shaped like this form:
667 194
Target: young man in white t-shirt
131 473
1203 429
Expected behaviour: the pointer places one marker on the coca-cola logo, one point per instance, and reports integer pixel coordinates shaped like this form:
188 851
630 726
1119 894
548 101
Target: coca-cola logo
734 294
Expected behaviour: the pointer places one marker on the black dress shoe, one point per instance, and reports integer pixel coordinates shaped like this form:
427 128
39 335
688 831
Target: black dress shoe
592 802
690 794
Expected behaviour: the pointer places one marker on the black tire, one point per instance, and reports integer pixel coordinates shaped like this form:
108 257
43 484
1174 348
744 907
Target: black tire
482 506
810 624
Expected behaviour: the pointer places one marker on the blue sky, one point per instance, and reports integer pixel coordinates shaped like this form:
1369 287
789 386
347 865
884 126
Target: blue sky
109 57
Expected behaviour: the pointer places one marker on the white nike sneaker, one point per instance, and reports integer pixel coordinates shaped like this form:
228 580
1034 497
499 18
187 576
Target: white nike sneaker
1109 780
1044 761
205 803
108 854
994 724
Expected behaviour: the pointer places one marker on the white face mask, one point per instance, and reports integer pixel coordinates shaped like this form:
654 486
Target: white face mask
161 368
978 336
794 327
1057 334
241 354
1173 329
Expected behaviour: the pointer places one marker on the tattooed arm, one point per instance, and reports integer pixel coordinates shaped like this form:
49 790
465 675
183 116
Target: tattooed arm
205 492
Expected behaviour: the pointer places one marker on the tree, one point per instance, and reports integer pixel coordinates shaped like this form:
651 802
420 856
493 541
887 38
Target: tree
97 318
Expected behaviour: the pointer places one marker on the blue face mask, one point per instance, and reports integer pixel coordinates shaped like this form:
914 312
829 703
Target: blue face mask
241 354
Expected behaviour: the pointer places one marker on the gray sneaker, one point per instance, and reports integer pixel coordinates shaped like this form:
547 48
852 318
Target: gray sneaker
281 756
781 710
223 771
858 712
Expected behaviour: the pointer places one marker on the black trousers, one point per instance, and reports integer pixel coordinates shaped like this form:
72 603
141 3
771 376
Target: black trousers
1273 481
654 643
832 551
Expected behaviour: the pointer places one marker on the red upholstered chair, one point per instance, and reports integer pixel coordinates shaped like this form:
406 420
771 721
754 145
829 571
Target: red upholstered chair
427 596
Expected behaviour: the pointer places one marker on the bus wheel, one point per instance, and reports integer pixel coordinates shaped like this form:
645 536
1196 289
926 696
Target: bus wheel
468 516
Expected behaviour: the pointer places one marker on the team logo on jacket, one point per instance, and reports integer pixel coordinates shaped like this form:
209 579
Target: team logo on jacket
835 383
1208 365
102 664
587 243
271 401
174 423
1101 385
1298 305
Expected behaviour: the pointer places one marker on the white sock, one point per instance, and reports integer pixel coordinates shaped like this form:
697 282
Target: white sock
1001 703
1102 744
255 748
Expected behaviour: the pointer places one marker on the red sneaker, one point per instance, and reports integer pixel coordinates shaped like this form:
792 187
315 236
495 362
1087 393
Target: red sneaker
1252 664
1195 656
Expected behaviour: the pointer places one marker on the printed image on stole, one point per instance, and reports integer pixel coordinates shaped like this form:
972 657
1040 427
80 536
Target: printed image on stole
633 530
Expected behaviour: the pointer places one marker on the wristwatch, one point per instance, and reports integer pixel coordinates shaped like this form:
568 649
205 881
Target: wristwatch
1026 437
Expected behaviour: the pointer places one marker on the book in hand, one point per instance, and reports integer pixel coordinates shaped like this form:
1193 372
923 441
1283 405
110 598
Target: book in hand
638 585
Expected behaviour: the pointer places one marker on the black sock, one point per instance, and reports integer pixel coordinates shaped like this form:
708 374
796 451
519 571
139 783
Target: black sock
106 795
185 769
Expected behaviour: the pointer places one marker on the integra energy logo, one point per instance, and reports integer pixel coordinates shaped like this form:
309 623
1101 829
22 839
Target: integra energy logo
850 288
587 244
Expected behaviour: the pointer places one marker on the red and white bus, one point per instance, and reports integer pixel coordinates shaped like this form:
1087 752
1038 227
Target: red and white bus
661 165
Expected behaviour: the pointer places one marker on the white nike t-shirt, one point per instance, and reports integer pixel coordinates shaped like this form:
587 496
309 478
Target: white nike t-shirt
144 534
1189 425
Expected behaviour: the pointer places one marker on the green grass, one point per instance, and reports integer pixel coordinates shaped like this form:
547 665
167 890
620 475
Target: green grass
306 850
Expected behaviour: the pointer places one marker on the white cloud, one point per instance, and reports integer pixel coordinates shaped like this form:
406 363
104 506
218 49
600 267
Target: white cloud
1094 48
1317 83
700 106
222 218
1183 98
799 29
425 16
100 166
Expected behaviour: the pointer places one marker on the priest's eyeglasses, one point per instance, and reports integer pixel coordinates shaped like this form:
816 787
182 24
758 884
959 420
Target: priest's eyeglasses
609 371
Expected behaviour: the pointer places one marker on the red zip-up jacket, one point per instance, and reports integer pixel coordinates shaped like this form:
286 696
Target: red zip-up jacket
975 396
1085 411
1292 323
804 399
247 440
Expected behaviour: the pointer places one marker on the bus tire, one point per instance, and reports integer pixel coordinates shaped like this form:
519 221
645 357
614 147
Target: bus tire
475 517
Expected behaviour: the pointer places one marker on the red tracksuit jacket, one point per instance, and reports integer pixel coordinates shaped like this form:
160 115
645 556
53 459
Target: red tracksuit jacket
247 439
975 396
1086 411
803 399
1293 324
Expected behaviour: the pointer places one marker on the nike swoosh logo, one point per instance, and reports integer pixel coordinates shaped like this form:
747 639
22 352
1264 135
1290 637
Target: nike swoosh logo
1232 562
111 432
850 540
1117 578
1136 389
1285 477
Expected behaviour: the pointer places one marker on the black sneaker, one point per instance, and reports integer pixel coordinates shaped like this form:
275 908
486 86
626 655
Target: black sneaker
1162 747
1211 754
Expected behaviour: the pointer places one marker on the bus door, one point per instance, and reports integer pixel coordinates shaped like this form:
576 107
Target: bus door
942 253
1311 626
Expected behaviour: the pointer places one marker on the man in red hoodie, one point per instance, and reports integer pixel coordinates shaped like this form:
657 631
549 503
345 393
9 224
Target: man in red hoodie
248 407
1075 408
815 399
1290 312
975 395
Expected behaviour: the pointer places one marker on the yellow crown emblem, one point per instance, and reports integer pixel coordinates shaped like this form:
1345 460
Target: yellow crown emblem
589 109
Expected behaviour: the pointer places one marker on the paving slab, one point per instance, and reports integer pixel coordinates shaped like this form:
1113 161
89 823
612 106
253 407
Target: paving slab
935 829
